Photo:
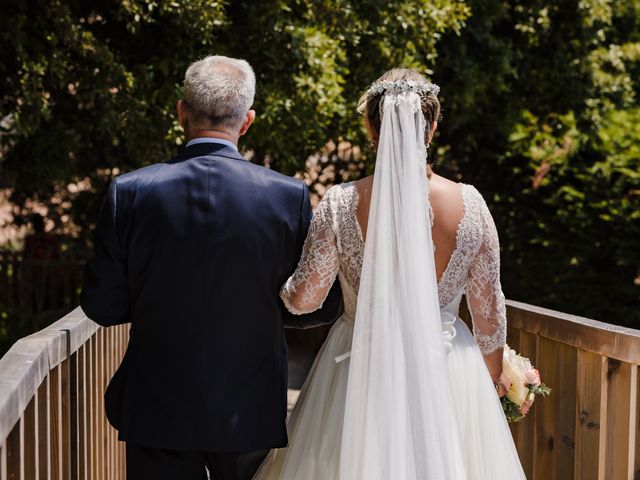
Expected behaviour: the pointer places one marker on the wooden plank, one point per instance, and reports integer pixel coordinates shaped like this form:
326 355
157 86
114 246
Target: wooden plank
65 418
637 439
44 459
74 436
3 461
30 441
619 430
546 414
55 415
513 340
525 432
589 394
612 341
82 413
634 431
564 401
604 420
106 440
110 355
114 434
94 409
122 345
14 455
100 403
89 397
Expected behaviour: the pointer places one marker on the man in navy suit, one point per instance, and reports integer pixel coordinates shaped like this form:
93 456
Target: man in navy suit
193 252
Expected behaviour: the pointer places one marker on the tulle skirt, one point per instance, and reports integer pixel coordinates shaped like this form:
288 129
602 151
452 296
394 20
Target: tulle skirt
315 426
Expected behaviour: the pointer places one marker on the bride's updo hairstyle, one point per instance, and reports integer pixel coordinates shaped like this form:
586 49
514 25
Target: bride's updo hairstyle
369 104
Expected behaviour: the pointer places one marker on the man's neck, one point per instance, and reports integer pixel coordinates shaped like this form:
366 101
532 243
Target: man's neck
212 134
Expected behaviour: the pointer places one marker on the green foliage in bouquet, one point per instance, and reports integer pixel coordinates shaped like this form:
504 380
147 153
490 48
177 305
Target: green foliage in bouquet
512 411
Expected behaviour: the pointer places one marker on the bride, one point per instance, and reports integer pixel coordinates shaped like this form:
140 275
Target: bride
401 389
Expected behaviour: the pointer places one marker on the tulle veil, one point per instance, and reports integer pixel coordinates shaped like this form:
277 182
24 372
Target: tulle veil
399 422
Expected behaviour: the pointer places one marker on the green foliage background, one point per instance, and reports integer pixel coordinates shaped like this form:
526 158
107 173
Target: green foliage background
540 102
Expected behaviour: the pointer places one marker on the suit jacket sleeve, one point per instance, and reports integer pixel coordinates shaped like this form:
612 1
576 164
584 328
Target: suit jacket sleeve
105 289
323 296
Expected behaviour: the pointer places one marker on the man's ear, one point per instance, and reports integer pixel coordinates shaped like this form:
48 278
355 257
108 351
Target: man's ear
181 109
251 116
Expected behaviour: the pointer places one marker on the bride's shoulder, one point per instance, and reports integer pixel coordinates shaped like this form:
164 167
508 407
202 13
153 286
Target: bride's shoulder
341 188
473 197
471 193
444 191
341 194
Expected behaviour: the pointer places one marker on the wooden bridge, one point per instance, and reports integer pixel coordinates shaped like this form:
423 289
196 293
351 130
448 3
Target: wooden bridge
52 422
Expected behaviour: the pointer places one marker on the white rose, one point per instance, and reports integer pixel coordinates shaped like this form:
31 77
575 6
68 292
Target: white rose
519 390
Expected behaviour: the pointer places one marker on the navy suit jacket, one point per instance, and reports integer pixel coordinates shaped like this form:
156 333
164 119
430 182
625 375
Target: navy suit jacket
193 253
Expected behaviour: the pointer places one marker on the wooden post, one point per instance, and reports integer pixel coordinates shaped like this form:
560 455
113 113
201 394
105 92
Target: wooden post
3 461
589 394
621 390
14 452
74 432
91 411
636 465
44 431
55 414
65 417
525 436
30 440
82 412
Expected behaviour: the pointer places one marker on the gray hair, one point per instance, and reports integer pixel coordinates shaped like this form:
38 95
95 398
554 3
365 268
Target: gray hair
219 91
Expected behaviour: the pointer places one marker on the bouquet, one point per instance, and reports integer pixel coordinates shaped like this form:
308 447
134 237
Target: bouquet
526 384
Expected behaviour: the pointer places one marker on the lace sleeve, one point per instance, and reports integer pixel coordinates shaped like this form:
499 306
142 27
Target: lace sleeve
484 292
306 290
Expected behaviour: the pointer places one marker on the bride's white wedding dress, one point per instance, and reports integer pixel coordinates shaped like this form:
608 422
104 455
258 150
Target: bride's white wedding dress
335 246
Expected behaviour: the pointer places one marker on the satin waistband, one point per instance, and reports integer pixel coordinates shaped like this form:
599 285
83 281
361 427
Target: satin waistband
449 332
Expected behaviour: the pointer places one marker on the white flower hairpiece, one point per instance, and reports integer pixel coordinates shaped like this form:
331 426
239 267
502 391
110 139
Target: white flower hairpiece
403 86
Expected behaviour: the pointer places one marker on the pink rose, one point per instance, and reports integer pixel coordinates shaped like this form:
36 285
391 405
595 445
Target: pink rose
533 377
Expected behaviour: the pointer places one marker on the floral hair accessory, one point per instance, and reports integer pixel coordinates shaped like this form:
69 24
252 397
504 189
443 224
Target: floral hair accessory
387 86
402 86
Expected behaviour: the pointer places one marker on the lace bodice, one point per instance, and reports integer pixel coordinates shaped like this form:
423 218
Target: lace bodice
335 247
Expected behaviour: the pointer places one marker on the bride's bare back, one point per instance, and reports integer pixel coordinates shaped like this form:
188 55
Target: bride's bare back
448 209
467 255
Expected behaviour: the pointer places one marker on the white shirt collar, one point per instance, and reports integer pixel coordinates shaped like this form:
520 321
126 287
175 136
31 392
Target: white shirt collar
195 141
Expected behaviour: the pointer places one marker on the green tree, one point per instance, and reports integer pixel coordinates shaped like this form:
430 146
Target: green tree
540 104
542 116
90 87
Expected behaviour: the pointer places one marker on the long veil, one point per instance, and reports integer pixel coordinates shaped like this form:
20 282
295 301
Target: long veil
400 422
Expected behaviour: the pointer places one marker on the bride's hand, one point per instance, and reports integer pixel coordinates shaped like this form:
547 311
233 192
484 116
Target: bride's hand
502 383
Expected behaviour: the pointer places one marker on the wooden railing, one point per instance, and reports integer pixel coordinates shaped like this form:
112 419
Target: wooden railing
52 422
588 428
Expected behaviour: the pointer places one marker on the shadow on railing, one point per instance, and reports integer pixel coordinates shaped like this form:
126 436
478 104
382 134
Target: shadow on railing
52 422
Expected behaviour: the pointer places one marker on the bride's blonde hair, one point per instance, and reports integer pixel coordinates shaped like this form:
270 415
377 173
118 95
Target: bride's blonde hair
369 104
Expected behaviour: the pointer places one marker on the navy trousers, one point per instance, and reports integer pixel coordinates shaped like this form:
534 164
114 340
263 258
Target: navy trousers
144 463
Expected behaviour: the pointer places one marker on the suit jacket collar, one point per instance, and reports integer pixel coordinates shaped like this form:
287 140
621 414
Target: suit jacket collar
208 148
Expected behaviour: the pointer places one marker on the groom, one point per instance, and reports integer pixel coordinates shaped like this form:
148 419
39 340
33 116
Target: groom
192 252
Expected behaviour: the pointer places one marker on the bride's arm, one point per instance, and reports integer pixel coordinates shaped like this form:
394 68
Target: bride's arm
306 290
485 298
